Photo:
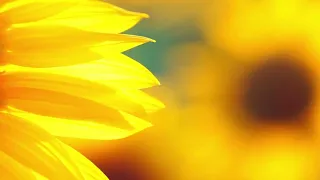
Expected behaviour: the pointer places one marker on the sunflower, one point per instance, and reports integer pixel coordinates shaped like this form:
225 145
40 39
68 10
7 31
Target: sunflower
251 93
259 91
64 74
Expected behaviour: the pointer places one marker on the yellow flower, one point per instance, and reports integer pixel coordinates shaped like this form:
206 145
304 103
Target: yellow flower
64 74
254 99
273 90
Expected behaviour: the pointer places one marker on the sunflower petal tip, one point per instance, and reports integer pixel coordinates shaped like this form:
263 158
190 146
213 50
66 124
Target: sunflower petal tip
157 82
162 105
144 16
158 104
146 39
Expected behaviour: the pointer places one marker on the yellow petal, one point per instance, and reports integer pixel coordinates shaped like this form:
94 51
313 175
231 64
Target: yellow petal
13 170
4 2
87 168
131 42
68 97
43 37
137 123
51 58
76 128
149 103
23 11
91 99
72 85
55 42
97 16
117 70
36 149
49 103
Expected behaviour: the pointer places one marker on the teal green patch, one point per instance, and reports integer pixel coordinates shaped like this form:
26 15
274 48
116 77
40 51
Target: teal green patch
153 55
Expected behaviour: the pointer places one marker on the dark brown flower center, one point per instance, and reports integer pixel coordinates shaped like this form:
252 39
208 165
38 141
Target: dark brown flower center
278 90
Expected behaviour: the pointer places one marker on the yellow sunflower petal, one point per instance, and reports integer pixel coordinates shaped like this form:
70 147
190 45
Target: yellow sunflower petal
72 83
64 91
97 16
51 58
65 106
101 110
13 170
2 3
23 11
36 149
135 41
43 37
117 70
67 97
43 46
149 103
87 168
76 128
47 37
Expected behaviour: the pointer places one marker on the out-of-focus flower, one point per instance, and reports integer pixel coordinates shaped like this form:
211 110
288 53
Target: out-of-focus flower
217 139
64 75
254 98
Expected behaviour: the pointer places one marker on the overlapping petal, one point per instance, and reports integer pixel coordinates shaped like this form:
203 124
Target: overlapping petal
47 46
60 99
120 47
116 70
13 170
149 103
31 147
67 97
104 77
97 16
92 15
24 11
64 75
74 128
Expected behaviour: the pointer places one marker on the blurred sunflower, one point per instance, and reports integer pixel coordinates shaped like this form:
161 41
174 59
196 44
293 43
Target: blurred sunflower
257 92
64 74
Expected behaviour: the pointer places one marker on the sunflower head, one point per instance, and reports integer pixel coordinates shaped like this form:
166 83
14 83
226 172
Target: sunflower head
253 92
